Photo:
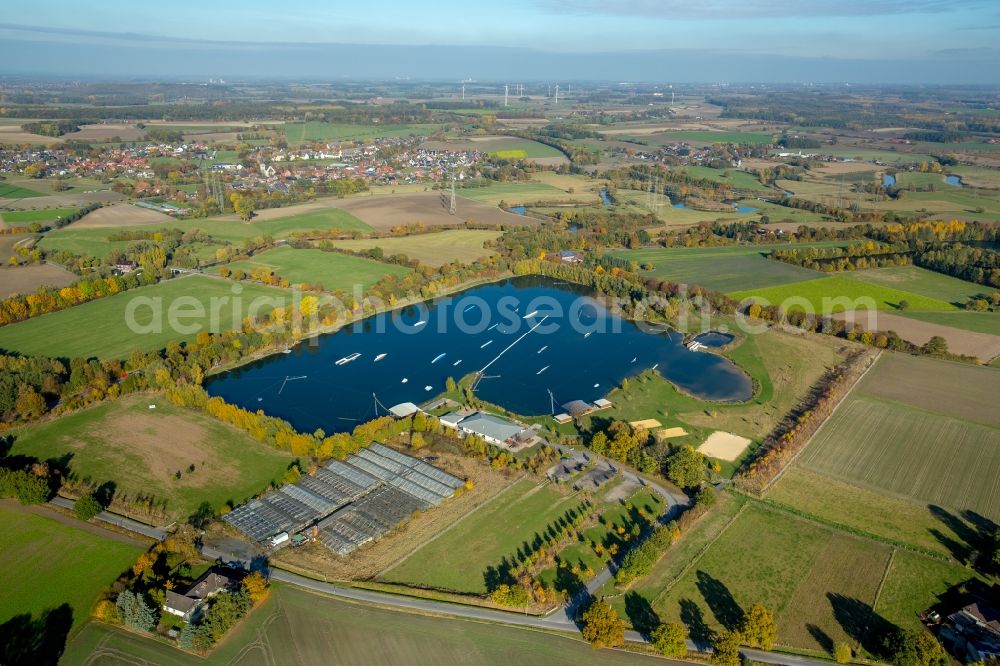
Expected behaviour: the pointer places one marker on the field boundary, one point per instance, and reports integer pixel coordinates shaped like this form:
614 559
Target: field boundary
700 553
848 392
449 528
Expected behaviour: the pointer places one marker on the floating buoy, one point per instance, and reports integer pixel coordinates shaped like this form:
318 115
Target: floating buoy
404 380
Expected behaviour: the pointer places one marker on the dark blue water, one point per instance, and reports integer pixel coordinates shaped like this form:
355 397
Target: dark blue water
714 338
520 210
888 180
954 181
557 356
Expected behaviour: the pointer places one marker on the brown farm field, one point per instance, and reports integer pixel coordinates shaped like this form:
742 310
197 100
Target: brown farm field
970 343
105 132
26 279
429 208
121 215
434 249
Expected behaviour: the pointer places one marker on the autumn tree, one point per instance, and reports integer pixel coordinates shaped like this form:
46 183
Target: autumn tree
670 638
256 586
87 507
726 648
602 627
842 653
686 467
758 627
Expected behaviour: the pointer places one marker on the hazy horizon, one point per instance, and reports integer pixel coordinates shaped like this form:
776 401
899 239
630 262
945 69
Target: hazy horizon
823 41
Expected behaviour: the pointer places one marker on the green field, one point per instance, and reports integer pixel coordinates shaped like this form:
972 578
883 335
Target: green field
141 449
524 193
436 249
804 572
458 560
514 148
45 563
99 328
915 583
732 177
823 294
20 217
708 137
313 131
333 270
924 282
917 428
94 241
721 268
9 191
299 627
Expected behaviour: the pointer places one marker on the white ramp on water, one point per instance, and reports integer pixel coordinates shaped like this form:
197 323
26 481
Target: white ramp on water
543 369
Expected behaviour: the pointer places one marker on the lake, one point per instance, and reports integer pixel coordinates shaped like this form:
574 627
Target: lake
888 180
954 181
519 210
580 351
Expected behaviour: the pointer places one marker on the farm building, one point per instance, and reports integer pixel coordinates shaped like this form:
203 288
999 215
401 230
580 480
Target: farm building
350 502
186 605
493 429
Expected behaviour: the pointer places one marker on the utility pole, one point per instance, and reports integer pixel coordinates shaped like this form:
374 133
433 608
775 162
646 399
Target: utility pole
454 206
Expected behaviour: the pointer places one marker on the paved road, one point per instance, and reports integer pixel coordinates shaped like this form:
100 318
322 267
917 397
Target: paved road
115 519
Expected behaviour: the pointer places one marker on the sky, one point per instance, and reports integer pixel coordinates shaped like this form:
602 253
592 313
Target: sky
907 41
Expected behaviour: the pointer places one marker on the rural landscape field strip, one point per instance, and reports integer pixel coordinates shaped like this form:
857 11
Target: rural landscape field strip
436 249
74 564
334 270
98 328
838 293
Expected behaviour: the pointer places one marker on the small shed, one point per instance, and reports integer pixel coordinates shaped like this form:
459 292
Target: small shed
576 408
562 418
601 403
403 409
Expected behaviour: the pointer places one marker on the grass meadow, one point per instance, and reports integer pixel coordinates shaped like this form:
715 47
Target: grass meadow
824 290
140 450
333 270
11 191
313 131
525 193
21 217
924 282
723 269
45 563
458 559
99 329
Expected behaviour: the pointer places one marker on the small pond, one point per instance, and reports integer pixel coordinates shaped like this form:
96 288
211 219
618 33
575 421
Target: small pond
714 338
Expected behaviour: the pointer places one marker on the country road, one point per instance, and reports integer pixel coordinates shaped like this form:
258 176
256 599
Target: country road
559 620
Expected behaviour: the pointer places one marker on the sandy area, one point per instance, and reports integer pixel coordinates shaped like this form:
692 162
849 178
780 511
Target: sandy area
26 279
121 215
647 424
670 433
981 345
724 445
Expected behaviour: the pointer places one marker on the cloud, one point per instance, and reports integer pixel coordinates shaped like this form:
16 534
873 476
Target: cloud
726 9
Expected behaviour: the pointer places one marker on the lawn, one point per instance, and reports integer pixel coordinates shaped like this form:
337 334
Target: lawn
915 583
803 572
9 191
313 131
826 295
99 328
140 450
721 268
436 249
300 627
920 429
459 559
924 282
333 270
20 217
525 193
45 563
